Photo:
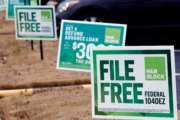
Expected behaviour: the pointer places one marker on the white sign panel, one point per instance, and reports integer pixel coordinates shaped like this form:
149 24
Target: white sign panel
35 23
134 83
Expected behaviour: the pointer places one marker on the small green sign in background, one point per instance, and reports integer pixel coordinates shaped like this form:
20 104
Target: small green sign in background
12 3
43 26
77 38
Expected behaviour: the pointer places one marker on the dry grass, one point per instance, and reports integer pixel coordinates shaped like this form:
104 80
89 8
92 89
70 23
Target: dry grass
67 103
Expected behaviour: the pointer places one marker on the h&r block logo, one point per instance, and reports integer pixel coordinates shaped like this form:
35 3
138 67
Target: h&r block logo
46 16
34 2
112 35
155 68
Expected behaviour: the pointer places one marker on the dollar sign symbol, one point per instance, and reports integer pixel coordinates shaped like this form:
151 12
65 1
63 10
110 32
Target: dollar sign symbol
74 46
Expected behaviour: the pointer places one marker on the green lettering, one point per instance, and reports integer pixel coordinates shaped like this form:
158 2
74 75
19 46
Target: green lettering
128 69
21 16
115 92
126 93
22 26
33 16
118 77
102 69
137 93
112 69
38 27
103 92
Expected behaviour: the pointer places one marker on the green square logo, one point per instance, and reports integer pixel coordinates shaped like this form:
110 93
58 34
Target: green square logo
112 35
155 68
46 16
34 2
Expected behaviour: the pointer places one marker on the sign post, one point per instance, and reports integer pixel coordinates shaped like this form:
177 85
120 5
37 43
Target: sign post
134 83
32 45
41 50
77 38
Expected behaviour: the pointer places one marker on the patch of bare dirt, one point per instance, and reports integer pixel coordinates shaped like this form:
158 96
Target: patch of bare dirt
20 66
66 103
3 113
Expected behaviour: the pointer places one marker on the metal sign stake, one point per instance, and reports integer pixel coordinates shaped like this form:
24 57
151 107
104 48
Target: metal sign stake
41 50
32 45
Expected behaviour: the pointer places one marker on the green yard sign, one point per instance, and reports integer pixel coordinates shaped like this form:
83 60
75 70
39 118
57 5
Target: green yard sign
134 83
77 38
35 23
12 3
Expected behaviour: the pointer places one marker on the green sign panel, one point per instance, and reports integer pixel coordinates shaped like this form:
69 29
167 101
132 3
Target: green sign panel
12 3
134 83
35 23
77 38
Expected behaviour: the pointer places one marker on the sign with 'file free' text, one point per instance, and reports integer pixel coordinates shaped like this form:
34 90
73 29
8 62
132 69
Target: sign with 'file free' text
134 83
35 23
